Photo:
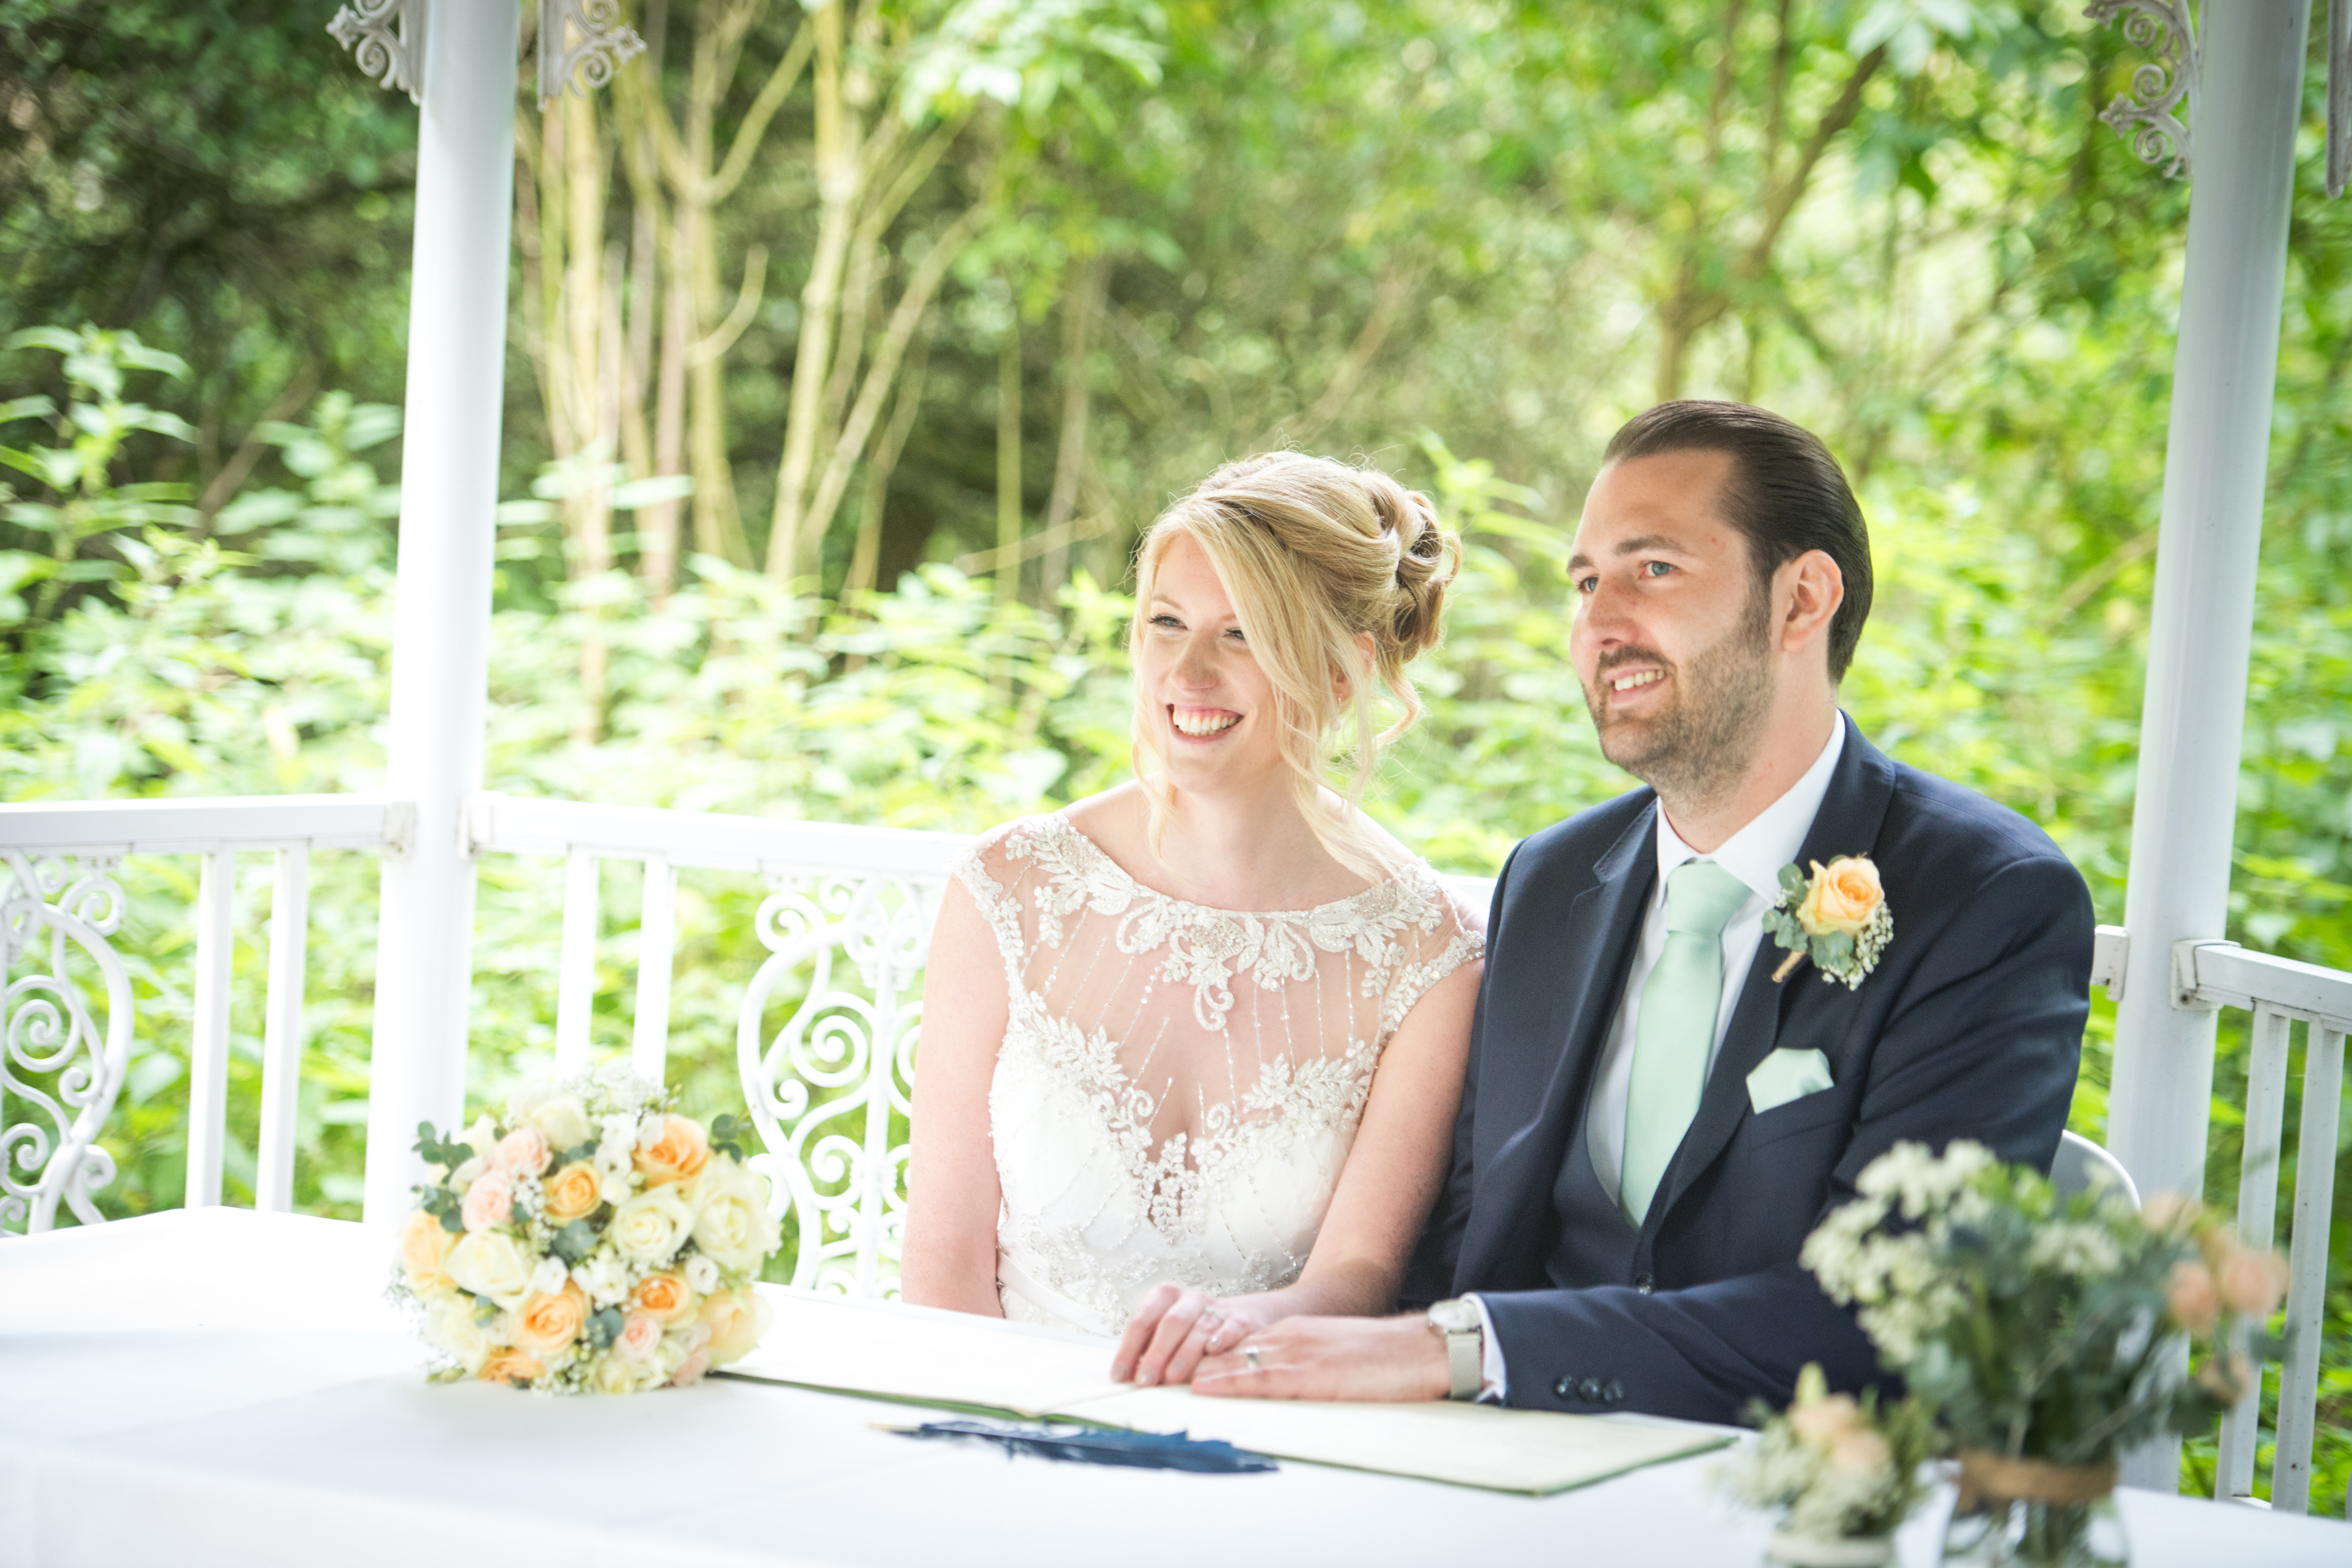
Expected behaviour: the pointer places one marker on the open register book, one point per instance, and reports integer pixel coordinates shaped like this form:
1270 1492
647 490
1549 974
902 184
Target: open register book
972 1363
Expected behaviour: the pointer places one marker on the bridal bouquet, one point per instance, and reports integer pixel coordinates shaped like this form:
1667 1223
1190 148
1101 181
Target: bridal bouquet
587 1242
2044 1332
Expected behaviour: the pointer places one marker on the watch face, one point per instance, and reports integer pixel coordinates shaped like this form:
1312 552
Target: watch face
1454 1317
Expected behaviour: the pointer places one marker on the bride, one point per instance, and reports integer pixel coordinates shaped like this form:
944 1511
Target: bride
1192 1047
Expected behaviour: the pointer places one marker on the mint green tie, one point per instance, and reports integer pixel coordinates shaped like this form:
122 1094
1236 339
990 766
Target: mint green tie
1671 1045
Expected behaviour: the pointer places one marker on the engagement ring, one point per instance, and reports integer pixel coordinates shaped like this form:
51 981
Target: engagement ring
1249 1354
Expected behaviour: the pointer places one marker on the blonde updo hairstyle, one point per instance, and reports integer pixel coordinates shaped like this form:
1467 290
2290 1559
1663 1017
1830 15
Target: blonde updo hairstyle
1314 554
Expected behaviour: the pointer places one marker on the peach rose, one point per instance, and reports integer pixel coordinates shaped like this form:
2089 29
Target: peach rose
1843 896
1860 1452
488 1201
2253 1281
571 1193
2170 1213
677 1155
640 1336
521 1152
2194 1302
1821 1423
736 1320
424 1248
510 1366
689 1371
548 1324
664 1296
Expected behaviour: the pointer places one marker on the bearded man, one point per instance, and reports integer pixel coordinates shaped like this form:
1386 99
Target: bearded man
1661 1104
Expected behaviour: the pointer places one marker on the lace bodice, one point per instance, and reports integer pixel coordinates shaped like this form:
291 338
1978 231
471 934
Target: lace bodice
1178 1084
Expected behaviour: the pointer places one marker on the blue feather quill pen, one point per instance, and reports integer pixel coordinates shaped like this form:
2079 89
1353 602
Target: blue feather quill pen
1099 1445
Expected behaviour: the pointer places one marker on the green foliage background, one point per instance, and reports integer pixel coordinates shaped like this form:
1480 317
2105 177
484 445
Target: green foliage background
1972 299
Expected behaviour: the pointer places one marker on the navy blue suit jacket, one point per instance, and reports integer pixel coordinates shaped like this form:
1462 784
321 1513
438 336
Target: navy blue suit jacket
1970 1026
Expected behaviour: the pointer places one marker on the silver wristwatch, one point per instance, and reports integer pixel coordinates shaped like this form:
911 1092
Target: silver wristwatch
1458 1323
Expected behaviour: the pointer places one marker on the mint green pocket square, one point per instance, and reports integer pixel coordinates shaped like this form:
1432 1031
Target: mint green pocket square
1787 1074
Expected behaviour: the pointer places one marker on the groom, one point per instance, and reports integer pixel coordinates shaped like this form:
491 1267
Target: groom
1654 1118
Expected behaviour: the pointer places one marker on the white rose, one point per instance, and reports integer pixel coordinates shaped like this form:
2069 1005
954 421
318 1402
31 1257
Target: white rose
619 1374
604 1278
701 1277
450 1325
733 1227
650 1227
562 1120
488 1263
466 1173
524 1100
482 1136
548 1277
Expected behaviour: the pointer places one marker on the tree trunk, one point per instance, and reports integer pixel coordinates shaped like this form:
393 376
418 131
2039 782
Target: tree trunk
1080 306
1008 463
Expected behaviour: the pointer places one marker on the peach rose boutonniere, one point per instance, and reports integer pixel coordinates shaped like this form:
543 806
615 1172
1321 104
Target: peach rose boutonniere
1837 917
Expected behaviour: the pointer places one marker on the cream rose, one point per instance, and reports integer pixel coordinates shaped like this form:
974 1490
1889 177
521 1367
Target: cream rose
1821 1423
488 1201
510 1366
731 1224
521 1152
1843 896
562 1120
424 1251
650 1227
452 1325
736 1320
482 1136
664 1296
489 1264
677 1155
548 1324
572 1193
619 1374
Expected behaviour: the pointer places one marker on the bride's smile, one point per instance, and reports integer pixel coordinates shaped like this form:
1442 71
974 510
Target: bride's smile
1195 664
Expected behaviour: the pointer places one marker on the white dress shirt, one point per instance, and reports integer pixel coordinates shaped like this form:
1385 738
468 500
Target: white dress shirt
1769 840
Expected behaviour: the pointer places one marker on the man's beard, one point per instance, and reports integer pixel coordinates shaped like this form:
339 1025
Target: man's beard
1696 752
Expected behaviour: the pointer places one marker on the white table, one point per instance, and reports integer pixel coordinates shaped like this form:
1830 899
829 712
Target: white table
217 1386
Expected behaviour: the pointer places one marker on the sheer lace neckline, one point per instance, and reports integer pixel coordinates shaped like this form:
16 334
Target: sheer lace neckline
1099 859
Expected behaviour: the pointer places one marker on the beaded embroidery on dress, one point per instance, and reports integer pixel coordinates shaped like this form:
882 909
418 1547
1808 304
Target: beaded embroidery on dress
1179 1086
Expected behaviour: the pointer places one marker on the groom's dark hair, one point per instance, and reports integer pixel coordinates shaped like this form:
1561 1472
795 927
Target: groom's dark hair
1786 494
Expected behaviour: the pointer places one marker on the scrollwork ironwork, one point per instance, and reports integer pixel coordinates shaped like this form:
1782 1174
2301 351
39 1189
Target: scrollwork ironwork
54 1056
832 1090
2145 116
386 38
604 45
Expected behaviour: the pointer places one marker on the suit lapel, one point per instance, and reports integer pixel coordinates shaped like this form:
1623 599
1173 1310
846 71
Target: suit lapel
1594 945
1851 811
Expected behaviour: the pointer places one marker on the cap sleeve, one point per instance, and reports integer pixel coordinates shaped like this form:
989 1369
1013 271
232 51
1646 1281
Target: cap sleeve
1439 949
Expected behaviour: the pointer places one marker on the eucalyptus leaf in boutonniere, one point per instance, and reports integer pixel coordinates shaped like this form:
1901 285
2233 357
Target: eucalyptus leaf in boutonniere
1837 917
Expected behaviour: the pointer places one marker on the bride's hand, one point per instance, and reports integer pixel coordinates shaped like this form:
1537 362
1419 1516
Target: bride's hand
1174 1328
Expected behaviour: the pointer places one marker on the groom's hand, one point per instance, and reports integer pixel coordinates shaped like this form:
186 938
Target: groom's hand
1387 1359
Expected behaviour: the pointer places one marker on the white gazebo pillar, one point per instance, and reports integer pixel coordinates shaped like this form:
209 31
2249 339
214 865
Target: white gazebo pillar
2216 463
441 616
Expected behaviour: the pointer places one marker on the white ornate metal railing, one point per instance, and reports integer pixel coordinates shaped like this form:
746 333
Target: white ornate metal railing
846 924
63 1063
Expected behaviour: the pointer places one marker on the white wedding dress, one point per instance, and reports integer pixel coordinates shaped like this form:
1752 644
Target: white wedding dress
1178 1084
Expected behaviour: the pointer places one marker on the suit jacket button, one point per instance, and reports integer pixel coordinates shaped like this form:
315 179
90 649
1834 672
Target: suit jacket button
1642 1283
1612 1393
1589 1390
1565 1388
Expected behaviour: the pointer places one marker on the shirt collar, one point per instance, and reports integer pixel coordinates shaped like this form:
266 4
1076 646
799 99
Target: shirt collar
1772 838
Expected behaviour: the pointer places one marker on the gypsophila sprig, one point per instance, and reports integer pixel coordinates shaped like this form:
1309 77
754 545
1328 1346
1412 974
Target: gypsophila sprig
587 1240
2041 1327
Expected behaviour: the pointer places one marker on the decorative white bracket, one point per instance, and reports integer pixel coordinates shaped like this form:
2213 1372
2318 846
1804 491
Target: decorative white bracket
580 44
387 38
2110 958
583 66
2145 116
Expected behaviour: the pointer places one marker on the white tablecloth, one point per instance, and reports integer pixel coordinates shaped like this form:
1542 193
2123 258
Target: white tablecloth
217 1386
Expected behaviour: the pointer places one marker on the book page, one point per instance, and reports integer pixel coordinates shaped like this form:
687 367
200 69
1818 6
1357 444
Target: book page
922 1354
956 1360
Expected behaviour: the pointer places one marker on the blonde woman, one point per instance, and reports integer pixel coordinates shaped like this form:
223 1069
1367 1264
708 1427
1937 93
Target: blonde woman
1192 1048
